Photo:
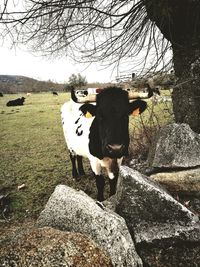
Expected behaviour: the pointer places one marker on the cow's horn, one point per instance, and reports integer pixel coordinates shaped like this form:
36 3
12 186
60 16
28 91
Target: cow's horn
73 96
147 92
89 98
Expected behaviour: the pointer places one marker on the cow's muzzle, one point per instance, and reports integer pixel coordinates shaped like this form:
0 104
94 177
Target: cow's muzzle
115 150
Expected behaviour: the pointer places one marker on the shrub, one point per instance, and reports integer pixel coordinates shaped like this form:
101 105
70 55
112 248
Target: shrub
145 127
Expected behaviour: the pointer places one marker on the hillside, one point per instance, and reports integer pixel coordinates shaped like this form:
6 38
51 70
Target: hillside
15 84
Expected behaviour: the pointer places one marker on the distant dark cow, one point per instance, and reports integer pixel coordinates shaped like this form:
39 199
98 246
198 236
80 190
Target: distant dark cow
16 102
100 133
54 93
1 94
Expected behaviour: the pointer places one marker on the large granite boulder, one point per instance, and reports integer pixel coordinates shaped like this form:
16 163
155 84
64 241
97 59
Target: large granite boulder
141 201
70 210
47 247
165 232
169 245
176 146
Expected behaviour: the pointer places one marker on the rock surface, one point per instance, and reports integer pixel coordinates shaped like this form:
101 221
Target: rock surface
165 232
70 210
48 247
143 201
184 181
169 245
176 146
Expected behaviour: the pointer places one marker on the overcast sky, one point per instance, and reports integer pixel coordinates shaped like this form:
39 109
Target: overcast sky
21 62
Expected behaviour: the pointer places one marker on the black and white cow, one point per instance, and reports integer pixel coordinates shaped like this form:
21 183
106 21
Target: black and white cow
100 132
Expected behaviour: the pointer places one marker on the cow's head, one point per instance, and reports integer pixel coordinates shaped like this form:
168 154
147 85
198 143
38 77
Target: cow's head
109 134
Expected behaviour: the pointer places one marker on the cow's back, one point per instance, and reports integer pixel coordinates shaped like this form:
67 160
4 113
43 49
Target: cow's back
76 128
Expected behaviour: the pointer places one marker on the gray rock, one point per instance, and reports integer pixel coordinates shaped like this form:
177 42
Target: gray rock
176 146
169 245
49 247
165 232
70 210
184 181
141 200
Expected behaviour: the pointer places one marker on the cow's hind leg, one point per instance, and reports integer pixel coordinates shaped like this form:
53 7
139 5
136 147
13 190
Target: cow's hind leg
80 165
74 169
100 183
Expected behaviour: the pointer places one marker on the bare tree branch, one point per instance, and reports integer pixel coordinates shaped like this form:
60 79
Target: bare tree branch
107 31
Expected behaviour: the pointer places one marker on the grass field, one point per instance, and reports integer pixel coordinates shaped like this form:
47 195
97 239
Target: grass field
33 152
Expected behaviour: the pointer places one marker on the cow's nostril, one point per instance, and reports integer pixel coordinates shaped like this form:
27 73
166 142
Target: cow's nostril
114 147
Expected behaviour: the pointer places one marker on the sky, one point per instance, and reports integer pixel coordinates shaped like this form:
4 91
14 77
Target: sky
22 62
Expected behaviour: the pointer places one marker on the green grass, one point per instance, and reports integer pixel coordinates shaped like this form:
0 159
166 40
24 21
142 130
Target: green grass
33 152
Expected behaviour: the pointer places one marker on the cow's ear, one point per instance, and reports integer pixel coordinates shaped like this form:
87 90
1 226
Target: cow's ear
88 110
137 107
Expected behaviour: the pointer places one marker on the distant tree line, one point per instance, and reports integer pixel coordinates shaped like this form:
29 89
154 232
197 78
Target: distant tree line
11 84
14 84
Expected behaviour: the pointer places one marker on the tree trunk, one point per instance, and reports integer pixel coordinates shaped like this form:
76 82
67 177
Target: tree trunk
186 96
179 22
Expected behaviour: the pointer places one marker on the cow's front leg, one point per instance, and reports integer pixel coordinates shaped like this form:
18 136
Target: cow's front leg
100 183
113 185
113 173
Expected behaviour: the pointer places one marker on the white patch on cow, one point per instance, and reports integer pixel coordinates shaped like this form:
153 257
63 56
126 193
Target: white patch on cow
111 175
72 118
119 161
95 165
111 166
